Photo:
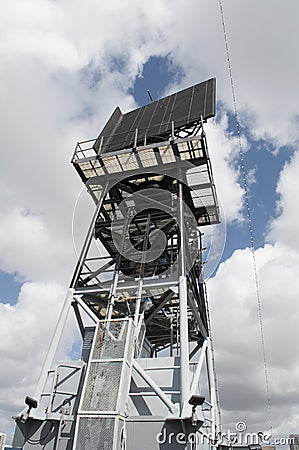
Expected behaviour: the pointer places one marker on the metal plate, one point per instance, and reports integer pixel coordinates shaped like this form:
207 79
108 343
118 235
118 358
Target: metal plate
102 386
184 108
95 433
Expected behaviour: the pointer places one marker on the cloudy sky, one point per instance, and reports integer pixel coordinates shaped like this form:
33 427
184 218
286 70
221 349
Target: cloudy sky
64 67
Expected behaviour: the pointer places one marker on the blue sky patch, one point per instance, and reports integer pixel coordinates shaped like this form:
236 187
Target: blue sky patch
158 72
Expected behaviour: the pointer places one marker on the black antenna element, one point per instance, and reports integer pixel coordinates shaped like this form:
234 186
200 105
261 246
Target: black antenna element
150 95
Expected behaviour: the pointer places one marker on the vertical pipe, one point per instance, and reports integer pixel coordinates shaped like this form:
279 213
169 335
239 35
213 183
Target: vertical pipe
112 294
177 333
125 235
171 334
183 302
138 301
136 138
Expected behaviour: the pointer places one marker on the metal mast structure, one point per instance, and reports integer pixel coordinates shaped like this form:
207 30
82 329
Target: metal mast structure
146 379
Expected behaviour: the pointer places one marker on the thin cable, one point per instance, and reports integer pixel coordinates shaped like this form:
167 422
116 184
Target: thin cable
250 225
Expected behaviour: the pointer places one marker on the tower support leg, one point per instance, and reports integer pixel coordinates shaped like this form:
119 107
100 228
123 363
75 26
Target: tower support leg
183 302
54 344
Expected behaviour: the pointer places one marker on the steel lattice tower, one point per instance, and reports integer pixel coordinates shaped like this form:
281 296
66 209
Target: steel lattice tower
139 383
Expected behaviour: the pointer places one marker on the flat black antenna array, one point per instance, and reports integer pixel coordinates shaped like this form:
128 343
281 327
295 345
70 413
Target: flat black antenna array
157 120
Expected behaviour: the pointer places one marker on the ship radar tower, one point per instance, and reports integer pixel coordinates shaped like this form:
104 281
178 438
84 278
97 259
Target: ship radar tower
146 378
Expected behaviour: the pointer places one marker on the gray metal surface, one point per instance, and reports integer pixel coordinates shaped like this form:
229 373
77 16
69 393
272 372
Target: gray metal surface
61 390
165 372
39 434
157 434
52 425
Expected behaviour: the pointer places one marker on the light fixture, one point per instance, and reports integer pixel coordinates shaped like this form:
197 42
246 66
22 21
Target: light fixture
196 400
32 404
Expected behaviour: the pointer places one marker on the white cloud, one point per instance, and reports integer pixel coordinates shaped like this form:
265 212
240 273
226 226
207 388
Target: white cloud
237 335
238 338
262 39
26 246
223 149
70 35
285 227
25 332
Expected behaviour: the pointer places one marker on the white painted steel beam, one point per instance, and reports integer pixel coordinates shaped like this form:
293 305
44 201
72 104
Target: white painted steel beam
171 406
